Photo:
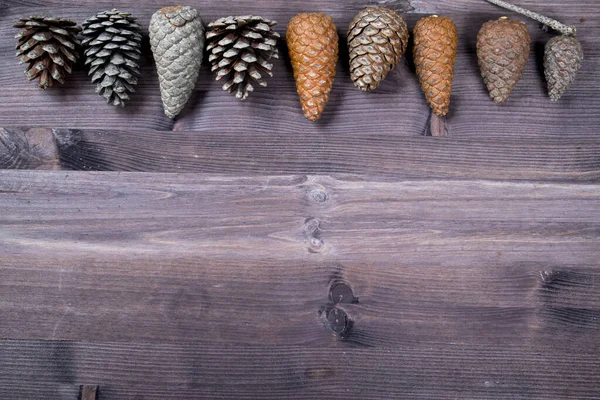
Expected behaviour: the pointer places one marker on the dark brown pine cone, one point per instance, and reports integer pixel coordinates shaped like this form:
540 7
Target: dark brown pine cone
240 49
50 46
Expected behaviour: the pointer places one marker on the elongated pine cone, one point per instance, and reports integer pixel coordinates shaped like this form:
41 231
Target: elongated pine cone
377 40
562 60
436 42
502 50
112 42
313 46
241 48
177 42
50 46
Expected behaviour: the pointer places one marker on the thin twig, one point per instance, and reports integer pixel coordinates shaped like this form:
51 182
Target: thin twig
552 23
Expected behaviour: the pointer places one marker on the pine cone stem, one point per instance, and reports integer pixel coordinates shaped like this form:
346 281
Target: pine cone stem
552 23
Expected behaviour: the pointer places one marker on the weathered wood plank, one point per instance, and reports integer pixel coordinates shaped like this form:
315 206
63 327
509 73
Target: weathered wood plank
209 259
397 109
42 370
35 148
378 154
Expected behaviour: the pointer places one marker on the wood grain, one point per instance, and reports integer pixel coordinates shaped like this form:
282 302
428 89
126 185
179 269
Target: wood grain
35 148
53 369
397 108
213 259
242 252
376 154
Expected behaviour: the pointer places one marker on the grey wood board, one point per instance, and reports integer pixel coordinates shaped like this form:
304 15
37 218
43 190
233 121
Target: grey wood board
380 155
55 369
250 260
397 108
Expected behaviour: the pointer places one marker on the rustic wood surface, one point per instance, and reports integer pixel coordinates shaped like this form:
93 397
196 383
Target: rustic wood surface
487 289
242 252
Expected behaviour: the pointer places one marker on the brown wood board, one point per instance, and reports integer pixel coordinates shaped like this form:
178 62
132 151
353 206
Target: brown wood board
208 263
498 278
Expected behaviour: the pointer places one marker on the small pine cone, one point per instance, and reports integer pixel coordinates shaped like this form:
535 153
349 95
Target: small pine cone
436 42
313 46
377 40
50 46
177 42
502 49
562 60
241 48
112 42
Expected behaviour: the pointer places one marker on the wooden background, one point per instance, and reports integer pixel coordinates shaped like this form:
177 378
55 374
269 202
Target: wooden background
209 257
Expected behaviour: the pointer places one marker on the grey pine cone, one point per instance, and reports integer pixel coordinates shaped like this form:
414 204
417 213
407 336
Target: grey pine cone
177 42
377 40
240 49
112 42
50 46
562 60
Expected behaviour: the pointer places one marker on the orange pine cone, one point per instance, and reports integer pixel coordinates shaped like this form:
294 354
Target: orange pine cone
436 41
313 46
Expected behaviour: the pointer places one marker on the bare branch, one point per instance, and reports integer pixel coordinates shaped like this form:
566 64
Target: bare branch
552 23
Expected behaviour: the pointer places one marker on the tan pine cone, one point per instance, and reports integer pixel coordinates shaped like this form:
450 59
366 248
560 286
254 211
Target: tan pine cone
436 41
313 46
377 40
502 49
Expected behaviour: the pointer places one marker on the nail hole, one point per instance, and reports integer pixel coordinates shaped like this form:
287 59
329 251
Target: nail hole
342 293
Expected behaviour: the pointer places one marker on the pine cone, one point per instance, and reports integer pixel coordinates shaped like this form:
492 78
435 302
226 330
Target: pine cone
562 61
502 49
436 41
313 46
112 42
177 42
377 40
50 46
241 48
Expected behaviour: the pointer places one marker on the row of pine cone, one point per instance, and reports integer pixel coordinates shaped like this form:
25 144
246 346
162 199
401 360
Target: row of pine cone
241 48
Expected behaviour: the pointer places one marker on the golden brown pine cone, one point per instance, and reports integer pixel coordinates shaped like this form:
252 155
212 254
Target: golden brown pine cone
436 41
377 40
502 50
313 46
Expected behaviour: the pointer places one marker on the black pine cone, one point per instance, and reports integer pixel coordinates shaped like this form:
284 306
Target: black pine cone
240 49
112 42
50 46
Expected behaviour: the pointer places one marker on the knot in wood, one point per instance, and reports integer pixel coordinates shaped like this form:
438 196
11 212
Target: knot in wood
339 322
318 195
